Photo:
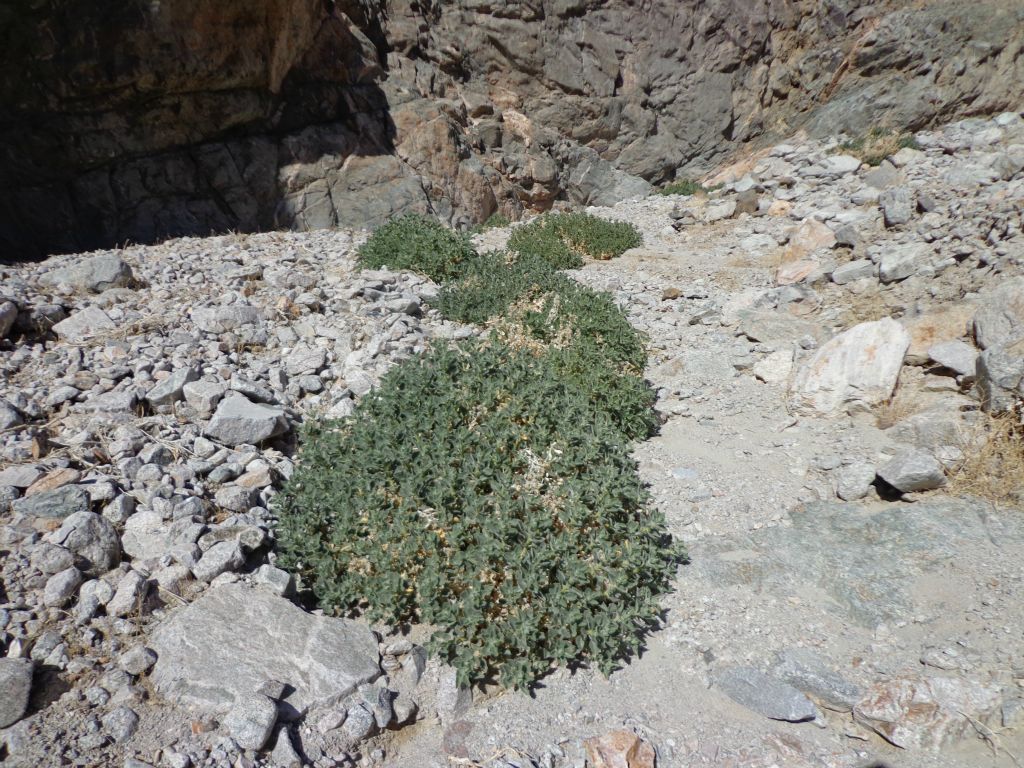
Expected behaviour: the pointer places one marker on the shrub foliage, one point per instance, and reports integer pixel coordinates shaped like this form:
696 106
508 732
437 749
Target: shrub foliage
486 488
682 187
419 244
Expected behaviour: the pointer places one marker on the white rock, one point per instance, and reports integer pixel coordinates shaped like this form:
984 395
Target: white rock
856 368
84 324
775 368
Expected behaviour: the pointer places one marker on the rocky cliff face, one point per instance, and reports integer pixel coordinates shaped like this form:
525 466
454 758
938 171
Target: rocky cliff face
179 117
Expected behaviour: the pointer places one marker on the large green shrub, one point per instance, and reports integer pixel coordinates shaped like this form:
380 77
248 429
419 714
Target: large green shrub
487 488
478 490
419 244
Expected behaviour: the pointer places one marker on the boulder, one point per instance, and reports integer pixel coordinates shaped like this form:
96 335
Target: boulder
805 670
92 538
93 275
913 470
853 481
927 713
897 204
765 695
84 324
930 328
854 270
171 389
8 314
15 687
859 368
238 420
58 503
902 261
1000 316
251 720
1000 377
957 356
232 639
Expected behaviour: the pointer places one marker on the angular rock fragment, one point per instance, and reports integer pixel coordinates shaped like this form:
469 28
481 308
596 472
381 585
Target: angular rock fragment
84 324
913 470
92 538
232 639
239 420
93 275
15 687
251 720
765 695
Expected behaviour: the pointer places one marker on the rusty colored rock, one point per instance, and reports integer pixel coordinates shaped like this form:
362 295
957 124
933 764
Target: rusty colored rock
927 713
619 749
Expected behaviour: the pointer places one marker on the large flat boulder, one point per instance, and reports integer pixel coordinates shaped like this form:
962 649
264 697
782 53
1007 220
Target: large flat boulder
234 638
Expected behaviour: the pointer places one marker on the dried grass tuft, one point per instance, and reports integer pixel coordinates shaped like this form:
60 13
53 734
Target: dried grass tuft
992 467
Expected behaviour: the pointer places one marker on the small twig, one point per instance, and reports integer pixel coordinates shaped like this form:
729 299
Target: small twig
990 737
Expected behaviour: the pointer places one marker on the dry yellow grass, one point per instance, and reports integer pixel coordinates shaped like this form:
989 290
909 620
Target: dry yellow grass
903 404
992 466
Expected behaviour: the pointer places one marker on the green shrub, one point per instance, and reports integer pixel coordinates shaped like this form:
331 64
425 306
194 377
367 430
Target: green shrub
489 284
419 244
682 187
487 488
479 491
563 239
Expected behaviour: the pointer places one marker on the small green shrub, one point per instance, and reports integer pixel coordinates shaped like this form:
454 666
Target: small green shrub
479 491
419 244
682 187
563 239
878 144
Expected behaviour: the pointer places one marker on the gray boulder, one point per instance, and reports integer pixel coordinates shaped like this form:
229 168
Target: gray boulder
913 470
595 181
1000 318
902 262
91 537
171 389
8 314
93 275
9 415
58 503
223 319
130 596
897 206
1000 375
765 695
853 481
251 720
84 324
233 638
805 670
238 420
955 355
853 270
15 687
61 587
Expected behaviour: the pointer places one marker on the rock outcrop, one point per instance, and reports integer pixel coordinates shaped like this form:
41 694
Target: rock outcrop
160 119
